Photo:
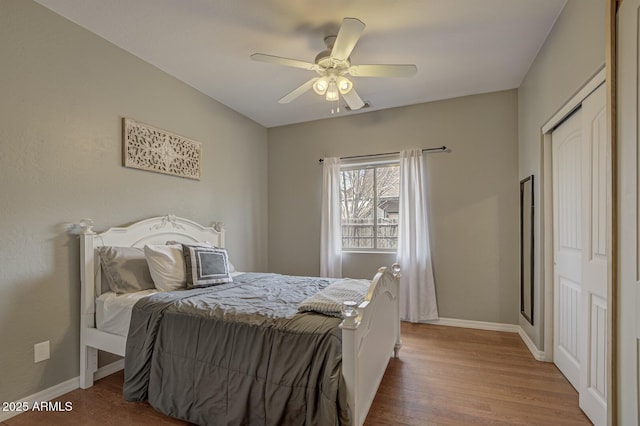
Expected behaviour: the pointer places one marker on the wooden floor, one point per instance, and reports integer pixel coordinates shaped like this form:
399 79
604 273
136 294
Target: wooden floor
445 376
458 376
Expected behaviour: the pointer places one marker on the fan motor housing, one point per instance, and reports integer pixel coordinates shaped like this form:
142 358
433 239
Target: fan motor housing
325 60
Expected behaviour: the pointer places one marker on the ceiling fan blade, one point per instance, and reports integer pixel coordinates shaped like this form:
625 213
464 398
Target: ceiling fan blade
298 91
287 62
347 38
353 100
383 70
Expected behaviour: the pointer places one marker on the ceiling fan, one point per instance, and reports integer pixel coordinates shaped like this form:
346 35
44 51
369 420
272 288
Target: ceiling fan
333 64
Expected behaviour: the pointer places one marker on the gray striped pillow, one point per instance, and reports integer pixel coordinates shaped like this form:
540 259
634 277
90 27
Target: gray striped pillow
205 265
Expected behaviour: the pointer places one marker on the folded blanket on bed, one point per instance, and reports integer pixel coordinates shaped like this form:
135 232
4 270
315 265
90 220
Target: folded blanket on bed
330 300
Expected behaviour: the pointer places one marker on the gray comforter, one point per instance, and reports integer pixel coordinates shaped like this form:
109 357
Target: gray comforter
238 354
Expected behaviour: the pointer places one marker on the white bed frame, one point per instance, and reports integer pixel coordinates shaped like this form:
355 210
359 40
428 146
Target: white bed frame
368 340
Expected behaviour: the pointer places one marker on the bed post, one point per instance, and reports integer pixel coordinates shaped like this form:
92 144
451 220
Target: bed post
395 270
219 227
88 355
349 328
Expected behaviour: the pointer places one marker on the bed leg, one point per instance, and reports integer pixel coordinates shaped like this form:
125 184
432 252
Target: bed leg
396 349
88 365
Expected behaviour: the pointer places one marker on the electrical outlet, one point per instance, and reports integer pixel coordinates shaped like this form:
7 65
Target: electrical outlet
41 351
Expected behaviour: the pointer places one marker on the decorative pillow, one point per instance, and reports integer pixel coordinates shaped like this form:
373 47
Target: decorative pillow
232 268
125 269
206 265
166 266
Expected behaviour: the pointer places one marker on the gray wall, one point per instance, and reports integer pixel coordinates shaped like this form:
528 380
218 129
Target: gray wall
474 193
572 53
63 92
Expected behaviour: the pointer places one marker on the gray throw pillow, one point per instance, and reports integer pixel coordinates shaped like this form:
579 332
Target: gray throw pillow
125 269
205 265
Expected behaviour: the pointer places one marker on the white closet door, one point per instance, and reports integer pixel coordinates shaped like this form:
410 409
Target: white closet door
593 306
566 142
580 173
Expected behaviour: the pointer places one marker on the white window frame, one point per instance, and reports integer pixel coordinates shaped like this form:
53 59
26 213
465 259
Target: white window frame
361 163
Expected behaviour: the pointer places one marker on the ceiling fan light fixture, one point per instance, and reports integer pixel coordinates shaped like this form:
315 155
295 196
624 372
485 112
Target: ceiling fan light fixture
344 85
332 91
321 86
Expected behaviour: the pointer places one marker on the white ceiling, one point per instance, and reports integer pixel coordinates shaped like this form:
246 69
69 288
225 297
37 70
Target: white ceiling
460 47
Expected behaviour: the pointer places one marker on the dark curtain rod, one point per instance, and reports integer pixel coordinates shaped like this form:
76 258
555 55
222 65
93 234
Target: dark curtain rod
440 148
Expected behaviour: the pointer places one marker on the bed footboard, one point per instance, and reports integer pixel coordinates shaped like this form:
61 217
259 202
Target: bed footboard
369 340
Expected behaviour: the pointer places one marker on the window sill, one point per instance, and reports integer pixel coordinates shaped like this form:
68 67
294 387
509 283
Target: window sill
368 252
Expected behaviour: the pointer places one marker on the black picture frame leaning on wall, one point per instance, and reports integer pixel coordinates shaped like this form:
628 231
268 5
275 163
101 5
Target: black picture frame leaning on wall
527 248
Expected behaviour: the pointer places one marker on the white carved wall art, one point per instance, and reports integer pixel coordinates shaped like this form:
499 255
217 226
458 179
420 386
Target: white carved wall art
148 148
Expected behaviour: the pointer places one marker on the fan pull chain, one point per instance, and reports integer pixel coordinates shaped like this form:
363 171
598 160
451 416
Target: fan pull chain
337 109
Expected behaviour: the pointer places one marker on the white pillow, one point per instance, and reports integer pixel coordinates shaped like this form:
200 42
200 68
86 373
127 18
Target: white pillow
166 265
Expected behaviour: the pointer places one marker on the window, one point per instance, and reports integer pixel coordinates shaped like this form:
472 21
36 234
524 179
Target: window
369 205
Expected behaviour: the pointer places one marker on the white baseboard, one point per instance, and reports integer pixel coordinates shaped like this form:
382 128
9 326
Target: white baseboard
537 353
494 326
108 369
61 388
480 325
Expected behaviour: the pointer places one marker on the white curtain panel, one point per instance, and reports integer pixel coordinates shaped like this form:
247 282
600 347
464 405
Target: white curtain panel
331 230
417 286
